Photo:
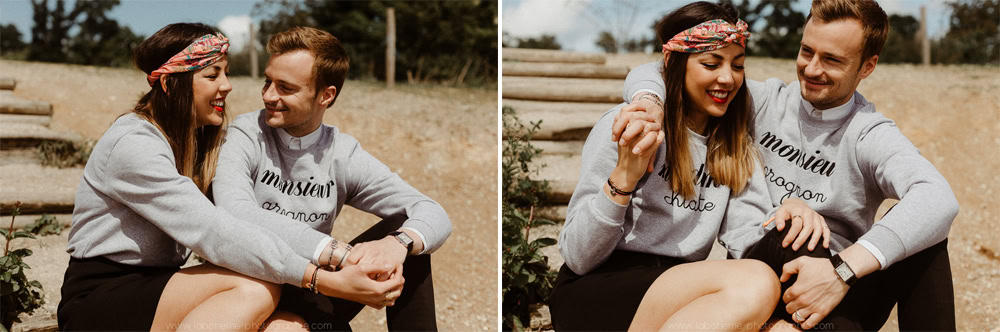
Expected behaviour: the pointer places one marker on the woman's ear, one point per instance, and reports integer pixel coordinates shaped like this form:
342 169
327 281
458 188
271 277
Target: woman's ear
163 84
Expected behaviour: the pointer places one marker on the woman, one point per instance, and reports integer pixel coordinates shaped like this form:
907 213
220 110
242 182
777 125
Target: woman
141 209
630 238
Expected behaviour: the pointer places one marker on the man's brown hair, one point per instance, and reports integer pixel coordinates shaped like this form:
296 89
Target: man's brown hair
331 64
872 18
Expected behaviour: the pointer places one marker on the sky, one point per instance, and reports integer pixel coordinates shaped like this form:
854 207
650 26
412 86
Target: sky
145 17
577 23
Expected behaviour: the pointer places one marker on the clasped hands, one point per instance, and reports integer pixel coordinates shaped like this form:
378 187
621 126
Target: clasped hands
372 273
638 131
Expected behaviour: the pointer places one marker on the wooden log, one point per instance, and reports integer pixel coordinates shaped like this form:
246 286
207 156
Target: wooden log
561 121
562 172
555 213
7 83
11 104
570 70
42 120
17 136
537 55
563 89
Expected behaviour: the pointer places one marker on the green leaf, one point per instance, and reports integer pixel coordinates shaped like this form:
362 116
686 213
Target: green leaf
544 241
22 234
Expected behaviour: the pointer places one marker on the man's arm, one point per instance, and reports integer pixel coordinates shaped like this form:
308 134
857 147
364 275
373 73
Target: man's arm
232 189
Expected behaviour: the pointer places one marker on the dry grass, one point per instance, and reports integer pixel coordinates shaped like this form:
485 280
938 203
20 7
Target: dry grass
952 114
441 140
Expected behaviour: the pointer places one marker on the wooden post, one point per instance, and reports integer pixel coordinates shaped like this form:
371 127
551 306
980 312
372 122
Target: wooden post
390 47
925 44
253 52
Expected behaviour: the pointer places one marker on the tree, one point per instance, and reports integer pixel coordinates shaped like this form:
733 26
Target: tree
782 32
10 39
98 41
546 42
606 41
973 33
901 46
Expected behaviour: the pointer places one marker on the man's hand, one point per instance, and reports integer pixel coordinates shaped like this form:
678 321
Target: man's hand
649 108
386 251
806 223
815 293
353 283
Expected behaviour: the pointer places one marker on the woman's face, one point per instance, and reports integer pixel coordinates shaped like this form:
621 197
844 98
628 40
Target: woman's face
211 85
712 79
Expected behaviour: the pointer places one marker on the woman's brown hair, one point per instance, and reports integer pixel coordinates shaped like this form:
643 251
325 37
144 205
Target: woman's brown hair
732 156
196 149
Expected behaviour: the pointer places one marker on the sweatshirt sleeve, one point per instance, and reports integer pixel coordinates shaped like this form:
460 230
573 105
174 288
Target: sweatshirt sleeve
232 190
142 174
746 212
373 188
594 223
927 206
644 77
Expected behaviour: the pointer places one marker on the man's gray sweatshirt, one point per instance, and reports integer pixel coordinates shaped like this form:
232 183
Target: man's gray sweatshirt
133 207
844 167
656 220
299 193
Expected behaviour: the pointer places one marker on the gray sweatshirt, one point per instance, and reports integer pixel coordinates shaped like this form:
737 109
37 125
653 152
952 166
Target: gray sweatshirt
656 220
843 162
133 207
298 193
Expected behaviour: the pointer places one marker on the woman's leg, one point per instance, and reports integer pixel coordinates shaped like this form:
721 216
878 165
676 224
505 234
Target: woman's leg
709 295
208 297
284 321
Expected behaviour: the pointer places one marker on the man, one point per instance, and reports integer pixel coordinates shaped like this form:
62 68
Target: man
283 168
829 156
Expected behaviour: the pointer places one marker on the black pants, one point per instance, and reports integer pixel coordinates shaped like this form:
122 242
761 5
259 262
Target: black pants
921 284
413 311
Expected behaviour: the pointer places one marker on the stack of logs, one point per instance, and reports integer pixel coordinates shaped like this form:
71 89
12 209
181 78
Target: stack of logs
568 92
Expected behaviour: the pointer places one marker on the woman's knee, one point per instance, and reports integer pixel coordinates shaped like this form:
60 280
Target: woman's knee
756 284
285 321
256 291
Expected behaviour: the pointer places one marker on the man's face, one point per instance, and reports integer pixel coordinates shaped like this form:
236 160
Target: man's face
289 95
829 64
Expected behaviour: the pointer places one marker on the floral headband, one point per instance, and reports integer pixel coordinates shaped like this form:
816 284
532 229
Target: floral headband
202 53
708 36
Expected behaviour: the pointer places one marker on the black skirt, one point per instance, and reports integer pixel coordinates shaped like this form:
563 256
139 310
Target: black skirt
102 295
605 299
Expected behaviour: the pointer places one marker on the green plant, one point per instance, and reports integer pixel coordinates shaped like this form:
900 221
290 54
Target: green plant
17 293
45 225
64 154
526 276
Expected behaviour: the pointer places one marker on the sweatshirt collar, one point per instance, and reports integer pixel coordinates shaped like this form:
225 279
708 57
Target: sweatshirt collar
298 143
829 114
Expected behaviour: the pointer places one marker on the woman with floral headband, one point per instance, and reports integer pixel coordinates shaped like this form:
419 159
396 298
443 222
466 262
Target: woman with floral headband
639 227
141 209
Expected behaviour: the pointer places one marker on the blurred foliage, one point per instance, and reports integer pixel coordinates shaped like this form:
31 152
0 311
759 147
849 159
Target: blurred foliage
973 34
64 154
435 40
10 39
527 279
901 45
99 40
47 224
545 42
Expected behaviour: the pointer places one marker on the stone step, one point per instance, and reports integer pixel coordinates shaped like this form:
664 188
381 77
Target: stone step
562 171
11 104
560 120
563 89
40 189
42 120
19 136
537 55
7 83
561 148
569 70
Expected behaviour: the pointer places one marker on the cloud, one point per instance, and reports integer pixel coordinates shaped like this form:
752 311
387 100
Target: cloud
237 29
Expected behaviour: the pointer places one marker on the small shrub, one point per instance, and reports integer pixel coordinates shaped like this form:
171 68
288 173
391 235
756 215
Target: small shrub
45 225
64 154
526 276
17 293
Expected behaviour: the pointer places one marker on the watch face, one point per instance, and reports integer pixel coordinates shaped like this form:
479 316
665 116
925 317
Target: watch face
405 238
842 272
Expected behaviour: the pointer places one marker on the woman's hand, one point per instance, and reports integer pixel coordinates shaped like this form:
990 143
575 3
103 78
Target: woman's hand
354 283
805 224
632 166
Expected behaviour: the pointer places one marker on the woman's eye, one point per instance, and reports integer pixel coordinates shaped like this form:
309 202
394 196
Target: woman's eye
738 67
710 65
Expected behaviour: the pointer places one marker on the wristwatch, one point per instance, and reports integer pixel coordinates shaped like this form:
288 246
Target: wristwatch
843 270
404 239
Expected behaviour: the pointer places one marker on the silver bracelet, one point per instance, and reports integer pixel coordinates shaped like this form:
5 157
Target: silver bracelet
347 251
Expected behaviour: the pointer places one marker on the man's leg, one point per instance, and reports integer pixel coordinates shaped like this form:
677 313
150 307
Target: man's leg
414 309
925 291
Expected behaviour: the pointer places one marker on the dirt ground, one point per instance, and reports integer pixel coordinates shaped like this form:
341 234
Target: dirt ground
952 114
442 140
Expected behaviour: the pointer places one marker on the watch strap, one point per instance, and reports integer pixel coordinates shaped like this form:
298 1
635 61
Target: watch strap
407 244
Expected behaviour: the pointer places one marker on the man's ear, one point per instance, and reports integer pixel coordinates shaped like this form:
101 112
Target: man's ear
326 98
868 67
163 84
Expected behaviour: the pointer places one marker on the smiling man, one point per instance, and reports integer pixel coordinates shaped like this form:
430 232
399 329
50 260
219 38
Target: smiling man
283 168
830 161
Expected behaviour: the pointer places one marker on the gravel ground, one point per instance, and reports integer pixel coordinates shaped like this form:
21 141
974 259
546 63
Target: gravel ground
442 140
